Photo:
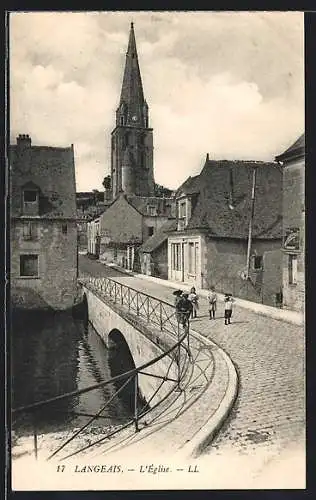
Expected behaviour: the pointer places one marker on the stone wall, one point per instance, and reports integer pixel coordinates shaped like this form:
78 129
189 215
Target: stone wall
104 318
120 223
294 217
226 259
272 277
56 284
113 255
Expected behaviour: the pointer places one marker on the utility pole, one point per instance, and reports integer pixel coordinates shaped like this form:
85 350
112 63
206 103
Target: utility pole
253 190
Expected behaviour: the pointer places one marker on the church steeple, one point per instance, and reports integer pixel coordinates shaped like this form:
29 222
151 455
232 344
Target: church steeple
132 139
133 109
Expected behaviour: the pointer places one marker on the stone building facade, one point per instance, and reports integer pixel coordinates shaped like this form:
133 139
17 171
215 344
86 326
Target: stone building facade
210 244
125 225
153 254
44 258
293 259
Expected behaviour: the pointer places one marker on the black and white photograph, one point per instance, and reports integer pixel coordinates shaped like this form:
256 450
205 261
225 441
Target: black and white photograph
156 169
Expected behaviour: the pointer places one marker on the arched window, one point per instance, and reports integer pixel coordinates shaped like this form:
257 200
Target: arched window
126 140
141 139
123 114
143 159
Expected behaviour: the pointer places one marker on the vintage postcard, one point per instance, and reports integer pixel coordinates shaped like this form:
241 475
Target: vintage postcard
157 211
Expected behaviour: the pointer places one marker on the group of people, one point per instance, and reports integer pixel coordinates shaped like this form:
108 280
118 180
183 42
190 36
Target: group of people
187 305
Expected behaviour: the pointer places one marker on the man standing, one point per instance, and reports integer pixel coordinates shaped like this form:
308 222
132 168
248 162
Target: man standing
184 309
212 299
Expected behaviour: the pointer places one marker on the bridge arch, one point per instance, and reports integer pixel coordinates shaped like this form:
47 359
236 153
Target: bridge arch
112 322
120 361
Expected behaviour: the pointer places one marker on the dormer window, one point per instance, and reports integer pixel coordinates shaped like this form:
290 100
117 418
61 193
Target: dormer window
30 196
182 214
182 209
30 199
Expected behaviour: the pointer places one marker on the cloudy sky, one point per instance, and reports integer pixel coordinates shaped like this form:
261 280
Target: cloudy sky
227 83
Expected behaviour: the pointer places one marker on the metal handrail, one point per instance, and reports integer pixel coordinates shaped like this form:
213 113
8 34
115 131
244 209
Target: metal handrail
131 374
91 279
67 395
124 426
129 296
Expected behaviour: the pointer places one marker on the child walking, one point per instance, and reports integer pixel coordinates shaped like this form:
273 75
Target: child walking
194 299
212 298
228 307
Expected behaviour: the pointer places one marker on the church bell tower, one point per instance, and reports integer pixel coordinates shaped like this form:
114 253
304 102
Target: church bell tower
132 138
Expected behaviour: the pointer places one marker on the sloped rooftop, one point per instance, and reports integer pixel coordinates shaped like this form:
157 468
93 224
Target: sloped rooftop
296 149
223 205
52 170
159 237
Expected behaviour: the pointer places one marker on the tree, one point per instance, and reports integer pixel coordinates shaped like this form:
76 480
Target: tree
107 182
162 191
95 196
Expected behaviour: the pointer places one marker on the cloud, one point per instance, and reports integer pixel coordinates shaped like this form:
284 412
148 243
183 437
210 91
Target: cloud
230 84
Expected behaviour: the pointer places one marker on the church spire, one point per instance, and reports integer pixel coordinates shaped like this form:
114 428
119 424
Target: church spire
132 170
133 109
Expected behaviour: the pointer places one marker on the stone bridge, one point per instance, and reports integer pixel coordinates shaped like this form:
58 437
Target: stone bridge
196 376
121 329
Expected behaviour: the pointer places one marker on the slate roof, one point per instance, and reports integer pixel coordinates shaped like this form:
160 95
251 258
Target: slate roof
159 237
89 196
223 182
52 170
132 88
190 186
296 149
142 202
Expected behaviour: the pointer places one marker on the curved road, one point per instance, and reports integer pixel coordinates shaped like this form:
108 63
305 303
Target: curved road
269 414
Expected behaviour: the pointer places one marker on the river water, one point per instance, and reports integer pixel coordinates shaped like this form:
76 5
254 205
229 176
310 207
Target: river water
52 354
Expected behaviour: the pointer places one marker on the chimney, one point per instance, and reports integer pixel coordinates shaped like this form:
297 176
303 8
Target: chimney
24 141
207 157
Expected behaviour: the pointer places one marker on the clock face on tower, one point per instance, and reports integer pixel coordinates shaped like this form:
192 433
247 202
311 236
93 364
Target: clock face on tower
134 118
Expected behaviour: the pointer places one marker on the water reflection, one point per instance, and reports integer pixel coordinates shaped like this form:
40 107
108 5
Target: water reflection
53 354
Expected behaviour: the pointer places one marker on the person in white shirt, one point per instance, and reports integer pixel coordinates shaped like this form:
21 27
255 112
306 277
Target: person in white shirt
212 299
228 307
193 298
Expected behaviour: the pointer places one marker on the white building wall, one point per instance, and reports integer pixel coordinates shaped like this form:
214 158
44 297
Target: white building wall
179 259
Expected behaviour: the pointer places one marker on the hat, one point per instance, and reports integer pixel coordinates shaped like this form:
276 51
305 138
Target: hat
177 292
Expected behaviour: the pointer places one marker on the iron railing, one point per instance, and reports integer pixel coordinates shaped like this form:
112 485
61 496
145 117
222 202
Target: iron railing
153 311
156 312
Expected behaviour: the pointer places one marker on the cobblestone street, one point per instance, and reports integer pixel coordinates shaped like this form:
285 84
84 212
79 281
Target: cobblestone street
269 413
